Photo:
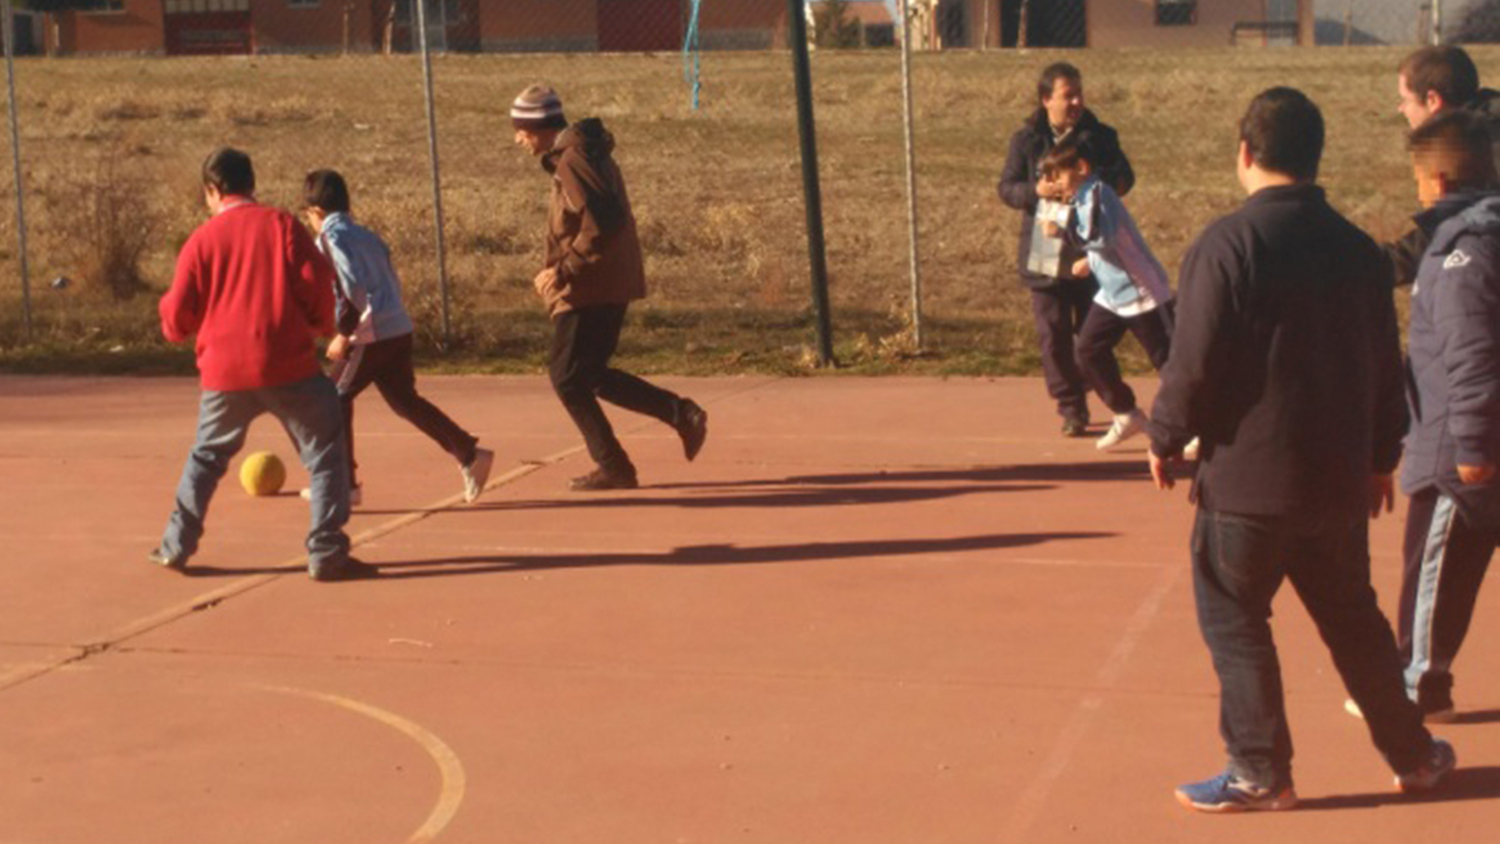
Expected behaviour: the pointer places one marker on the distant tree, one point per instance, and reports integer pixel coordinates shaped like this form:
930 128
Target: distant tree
834 27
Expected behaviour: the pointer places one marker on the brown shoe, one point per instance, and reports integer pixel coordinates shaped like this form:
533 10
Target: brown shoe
601 479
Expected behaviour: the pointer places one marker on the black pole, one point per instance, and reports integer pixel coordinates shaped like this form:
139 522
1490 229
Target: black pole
812 195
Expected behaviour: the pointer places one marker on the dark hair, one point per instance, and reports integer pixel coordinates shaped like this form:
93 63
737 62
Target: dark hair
228 171
327 190
1069 151
1283 130
1054 72
1455 143
1448 70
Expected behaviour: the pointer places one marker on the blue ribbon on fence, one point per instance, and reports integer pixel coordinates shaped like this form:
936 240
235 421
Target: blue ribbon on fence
692 54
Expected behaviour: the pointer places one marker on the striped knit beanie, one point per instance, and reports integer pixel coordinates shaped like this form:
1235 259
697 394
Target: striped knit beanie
538 107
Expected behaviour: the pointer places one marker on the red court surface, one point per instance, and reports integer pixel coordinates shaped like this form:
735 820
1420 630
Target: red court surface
892 610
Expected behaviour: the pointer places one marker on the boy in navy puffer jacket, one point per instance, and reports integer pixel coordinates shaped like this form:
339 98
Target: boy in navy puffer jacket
1453 384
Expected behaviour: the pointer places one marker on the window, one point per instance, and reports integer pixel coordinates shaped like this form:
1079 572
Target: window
103 7
1176 12
302 4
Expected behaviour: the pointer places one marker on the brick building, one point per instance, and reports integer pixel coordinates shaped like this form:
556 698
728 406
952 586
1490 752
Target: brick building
1123 23
177 27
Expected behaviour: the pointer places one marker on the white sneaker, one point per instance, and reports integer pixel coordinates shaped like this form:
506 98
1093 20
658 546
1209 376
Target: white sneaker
1446 715
1125 426
476 473
1190 451
354 495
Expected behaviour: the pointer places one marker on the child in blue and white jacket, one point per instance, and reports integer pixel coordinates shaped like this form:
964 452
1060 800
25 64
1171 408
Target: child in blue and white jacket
1134 293
374 340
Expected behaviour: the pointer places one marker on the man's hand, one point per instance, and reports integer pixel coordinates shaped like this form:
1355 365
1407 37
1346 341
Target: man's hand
1051 229
338 348
1161 472
1476 474
1382 494
546 283
1081 268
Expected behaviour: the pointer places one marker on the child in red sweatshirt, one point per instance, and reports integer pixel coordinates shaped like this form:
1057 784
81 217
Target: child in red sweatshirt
253 288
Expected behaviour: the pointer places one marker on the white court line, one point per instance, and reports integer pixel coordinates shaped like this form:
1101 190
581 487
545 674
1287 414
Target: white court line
450 795
1035 796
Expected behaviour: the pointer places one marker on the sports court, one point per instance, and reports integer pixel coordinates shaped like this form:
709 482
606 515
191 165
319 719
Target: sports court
873 610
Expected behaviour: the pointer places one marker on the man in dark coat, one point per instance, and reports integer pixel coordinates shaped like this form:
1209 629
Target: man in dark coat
1286 362
1430 81
1059 301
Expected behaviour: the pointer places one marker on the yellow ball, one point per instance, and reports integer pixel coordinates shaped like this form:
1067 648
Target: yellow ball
262 473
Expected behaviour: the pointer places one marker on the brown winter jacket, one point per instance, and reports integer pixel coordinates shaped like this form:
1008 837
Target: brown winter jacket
591 236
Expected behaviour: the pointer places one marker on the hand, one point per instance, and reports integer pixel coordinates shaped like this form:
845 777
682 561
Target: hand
338 348
1161 472
545 283
1051 229
1476 474
1081 268
1382 494
1048 189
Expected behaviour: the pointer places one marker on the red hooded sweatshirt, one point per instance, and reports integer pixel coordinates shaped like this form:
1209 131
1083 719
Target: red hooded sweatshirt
253 287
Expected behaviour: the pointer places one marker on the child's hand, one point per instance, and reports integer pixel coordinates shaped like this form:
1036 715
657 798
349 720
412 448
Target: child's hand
1051 229
1476 474
338 348
1081 267
545 283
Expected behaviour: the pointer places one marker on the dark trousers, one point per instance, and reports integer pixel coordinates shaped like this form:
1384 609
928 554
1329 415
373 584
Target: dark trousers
1059 312
583 341
1102 331
1446 560
1239 563
387 365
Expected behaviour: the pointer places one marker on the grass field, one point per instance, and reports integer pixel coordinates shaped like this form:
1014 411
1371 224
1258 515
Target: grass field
113 145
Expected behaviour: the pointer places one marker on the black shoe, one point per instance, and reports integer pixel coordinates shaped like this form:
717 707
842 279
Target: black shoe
350 569
692 426
1075 426
167 561
601 479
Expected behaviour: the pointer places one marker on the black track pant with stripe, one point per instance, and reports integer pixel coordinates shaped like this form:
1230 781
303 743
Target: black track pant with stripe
1446 560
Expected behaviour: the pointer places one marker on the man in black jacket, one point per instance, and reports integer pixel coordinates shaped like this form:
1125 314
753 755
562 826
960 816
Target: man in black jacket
1286 362
1430 81
1058 302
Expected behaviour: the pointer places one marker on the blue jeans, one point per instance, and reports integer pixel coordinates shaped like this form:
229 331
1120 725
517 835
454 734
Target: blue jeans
1239 563
309 411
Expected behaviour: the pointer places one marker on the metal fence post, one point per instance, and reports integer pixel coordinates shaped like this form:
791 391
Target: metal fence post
911 174
812 195
1437 22
437 176
15 154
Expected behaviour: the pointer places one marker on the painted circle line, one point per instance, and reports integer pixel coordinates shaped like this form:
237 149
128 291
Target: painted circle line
450 795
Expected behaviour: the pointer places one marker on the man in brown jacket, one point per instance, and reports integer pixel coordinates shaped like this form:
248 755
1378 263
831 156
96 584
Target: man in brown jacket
593 271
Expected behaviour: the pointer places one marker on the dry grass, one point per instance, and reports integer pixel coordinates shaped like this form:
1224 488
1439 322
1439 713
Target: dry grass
717 191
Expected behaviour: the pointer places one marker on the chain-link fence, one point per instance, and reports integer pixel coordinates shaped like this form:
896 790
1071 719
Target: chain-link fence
701 101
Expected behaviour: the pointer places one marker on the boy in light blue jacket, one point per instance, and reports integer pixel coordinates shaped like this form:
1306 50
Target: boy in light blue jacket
1134 294
374 340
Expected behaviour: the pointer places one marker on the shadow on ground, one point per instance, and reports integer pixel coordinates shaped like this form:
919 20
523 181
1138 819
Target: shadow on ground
1482 783
725 554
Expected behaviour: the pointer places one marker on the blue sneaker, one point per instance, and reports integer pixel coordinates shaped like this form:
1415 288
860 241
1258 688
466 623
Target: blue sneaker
1229 793
1440 762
